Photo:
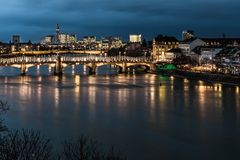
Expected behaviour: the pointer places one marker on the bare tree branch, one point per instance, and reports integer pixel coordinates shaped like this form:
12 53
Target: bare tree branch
25 145
4 107
87 149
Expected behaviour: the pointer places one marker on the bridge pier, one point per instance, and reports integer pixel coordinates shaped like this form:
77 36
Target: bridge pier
58 69
23 69
153 67
123 69
92 69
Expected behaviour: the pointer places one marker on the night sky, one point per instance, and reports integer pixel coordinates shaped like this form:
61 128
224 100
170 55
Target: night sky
32 19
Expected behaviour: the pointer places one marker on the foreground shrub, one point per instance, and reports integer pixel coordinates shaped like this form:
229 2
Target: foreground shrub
87 149
3 108
24 145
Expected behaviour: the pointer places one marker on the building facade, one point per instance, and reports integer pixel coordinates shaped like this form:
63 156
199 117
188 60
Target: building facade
49 39
187 34
162 44
15 39
135 38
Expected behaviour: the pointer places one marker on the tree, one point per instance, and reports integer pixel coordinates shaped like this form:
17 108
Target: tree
21 145
24 145
3 108
87 149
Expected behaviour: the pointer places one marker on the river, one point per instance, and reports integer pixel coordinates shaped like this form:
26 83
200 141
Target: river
145 116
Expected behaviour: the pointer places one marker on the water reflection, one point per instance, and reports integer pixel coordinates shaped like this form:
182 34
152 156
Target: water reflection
229 112
59 82
49 69
38 69
77 88
237 90
39 90
146 112
91 90
201 90
25 92
122 98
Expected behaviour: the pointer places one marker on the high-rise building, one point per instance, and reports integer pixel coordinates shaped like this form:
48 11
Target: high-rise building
111 42
15 39
89 39
72 38
134 38
57 34
67 38
187 34
63 38
50 39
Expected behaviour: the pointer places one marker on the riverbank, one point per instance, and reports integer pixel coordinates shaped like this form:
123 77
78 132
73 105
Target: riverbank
204 76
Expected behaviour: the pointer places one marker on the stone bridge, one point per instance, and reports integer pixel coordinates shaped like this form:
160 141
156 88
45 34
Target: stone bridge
59 62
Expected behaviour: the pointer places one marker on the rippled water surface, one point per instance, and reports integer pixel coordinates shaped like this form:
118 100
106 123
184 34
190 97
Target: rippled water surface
145 116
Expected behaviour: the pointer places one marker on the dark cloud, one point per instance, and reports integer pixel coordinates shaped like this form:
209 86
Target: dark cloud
34 19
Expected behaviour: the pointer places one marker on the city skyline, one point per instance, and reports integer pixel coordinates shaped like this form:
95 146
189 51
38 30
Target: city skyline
32 20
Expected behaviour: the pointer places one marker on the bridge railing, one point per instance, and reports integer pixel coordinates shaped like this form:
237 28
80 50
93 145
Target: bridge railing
71 59
105 59
27 59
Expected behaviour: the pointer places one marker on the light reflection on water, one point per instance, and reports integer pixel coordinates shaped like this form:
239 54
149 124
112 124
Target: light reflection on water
147 116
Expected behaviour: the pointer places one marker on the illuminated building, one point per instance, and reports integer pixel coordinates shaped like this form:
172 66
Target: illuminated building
111 42
63 39
187 34
23 47
189 44
90 43
173 53
205 54
134 38
224 42
50 39
89 39
67 39
162 44
5 48
72 38
228 60
105 44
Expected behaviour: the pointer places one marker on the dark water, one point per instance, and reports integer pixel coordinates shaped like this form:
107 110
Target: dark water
144 116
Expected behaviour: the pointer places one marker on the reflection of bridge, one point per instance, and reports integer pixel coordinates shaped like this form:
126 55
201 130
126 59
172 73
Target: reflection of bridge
58 62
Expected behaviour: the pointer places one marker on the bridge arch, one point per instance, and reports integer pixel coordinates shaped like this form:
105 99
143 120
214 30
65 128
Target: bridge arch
40 68
10 70
75 68
116 65
147 66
